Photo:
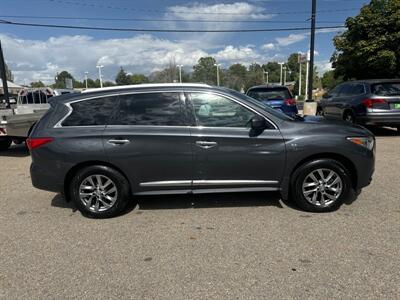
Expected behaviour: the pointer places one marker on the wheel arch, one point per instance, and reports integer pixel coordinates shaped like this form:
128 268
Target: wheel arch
71 173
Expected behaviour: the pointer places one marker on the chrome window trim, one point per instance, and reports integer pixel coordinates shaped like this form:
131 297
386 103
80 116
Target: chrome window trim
175 183
234 100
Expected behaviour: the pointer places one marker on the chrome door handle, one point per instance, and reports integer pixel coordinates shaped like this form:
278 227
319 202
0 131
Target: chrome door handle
118 142
206 144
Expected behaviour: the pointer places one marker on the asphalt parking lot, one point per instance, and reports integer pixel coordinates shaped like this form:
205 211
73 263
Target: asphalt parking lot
233 246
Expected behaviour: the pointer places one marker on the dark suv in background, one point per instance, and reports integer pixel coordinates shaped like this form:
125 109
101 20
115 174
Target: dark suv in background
369 102
103 147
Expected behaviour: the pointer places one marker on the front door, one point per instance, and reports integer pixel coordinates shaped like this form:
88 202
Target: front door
226 155
149 141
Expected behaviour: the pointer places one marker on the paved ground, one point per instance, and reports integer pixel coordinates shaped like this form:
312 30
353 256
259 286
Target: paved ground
240 246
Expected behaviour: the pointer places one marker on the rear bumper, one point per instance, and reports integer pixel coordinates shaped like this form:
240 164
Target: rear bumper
42 179
380 119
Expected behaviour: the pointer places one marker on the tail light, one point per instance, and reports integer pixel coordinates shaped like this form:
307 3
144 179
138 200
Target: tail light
34 143
290 102
370 103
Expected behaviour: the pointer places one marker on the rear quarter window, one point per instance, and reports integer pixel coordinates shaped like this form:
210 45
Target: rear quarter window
91 112
386 89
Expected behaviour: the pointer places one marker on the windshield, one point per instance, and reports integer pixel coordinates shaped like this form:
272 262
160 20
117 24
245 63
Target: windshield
265 107
386 89
270 94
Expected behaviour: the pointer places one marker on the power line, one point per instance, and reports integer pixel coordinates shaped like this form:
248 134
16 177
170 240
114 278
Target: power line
6 22
159 20
108 6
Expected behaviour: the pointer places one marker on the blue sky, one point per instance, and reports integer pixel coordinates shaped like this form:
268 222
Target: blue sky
38 53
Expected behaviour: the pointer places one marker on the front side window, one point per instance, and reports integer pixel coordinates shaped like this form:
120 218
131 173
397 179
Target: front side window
216 111
156 109
91 112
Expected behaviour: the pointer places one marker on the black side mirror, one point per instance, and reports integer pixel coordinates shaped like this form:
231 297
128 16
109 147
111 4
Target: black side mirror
258 123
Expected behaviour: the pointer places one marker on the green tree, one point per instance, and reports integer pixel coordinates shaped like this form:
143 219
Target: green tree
254 76
122 77
369 48
137 79
274 71
205 71
37 84
328 80
236 77
60 80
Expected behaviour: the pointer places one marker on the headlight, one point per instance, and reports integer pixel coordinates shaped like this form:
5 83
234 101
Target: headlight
367 142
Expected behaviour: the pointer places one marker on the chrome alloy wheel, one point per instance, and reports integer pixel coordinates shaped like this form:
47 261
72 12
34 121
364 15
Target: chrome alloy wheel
322 187
98 193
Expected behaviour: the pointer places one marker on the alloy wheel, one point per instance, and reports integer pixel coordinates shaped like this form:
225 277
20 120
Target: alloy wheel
322 187
98 193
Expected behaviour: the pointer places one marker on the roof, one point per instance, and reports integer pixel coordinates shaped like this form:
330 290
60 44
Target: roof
147 85
273 85
10 85
376 80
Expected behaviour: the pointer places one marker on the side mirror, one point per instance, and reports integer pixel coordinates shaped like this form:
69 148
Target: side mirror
258 123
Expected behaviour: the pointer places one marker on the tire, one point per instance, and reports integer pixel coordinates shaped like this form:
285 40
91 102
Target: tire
111 204
320 112
348 116
5 143
326 199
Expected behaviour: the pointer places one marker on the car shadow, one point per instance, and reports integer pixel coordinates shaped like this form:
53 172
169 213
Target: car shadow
188 201
15 151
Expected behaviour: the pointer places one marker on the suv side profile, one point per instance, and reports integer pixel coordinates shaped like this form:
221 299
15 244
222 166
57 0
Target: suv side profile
104 147
369 102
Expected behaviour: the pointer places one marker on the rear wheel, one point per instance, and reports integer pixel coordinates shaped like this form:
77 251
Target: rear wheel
5 143
349 117
100 192
321 185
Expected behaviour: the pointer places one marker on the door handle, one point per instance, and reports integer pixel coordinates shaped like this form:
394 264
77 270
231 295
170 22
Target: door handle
206 144
118 141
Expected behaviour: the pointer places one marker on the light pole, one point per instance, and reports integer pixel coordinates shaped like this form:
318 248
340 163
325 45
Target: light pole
299 60
217 65
284 80
281 63
100 76
86 78
307 74
265 73
180 73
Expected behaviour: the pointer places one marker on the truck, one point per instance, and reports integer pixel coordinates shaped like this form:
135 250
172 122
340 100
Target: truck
17 122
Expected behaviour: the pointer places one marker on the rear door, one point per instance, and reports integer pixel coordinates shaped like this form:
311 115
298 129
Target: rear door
149 141
226 155
329 103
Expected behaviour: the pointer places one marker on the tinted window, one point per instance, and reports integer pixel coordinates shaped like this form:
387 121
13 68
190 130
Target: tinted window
91 112
270 94
157 109
335 91
345 90
386 89
216 111
352 89
358 89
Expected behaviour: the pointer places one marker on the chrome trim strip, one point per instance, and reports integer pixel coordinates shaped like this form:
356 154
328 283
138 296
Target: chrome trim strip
166 183
233 182
234 190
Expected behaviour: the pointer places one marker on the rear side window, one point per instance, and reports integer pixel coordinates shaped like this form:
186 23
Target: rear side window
352 89
386 89
270 94
155 109
91 112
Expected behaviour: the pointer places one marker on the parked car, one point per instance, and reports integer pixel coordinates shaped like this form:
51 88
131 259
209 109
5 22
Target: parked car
101 148
276 96
367 102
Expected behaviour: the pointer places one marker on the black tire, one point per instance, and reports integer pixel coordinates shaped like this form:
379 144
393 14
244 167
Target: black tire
300 175
398 130
121 184
5 143
320 112
348 116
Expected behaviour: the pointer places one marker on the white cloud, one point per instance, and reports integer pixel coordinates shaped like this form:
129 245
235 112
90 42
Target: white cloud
268 46
244 55
323 66
291 39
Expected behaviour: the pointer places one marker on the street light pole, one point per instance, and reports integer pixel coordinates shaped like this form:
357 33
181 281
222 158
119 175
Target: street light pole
217 65
280 81
86 78
312 45
180 73
284 80
100 76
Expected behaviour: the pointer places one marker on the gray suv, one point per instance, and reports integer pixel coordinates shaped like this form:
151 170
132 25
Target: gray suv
101 148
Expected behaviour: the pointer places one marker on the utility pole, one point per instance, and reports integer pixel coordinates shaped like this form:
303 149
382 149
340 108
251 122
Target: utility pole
4 77
100 76
281 63
86 78
312 45
307 74
180 73
217 65
299 60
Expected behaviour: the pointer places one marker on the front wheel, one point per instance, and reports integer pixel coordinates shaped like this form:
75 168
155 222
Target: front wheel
5 143
321 185
100 192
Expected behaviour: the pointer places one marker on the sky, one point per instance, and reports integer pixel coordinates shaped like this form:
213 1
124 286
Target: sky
37 53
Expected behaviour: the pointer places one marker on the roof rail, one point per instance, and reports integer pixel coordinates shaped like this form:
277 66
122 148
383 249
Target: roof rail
145 85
